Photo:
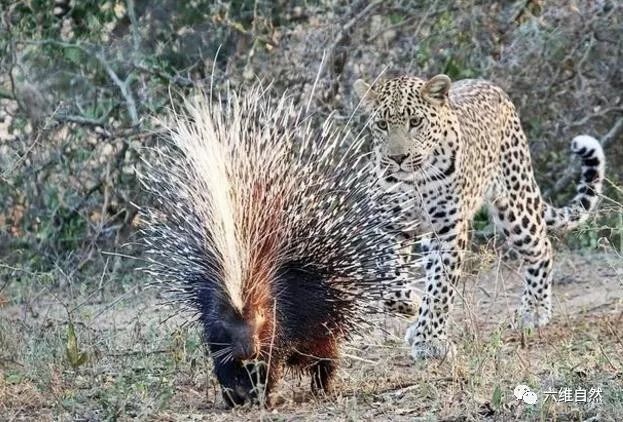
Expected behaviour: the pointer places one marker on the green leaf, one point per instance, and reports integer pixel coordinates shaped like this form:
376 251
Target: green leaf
496 399
74 55
396 18
13 379
75 357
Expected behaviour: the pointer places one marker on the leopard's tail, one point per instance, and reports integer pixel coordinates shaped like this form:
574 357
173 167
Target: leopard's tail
588 189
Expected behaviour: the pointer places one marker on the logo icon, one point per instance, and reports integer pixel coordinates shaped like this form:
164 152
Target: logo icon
523 392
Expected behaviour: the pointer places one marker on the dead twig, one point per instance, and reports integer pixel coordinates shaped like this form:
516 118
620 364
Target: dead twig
123 85
341 39
173 79
600 113
81 120
138 353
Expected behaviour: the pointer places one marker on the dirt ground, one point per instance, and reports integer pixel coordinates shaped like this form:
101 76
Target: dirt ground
141 364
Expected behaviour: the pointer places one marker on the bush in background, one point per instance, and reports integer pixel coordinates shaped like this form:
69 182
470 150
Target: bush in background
79 83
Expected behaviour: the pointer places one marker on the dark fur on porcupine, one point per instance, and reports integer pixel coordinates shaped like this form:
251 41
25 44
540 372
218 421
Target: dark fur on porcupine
270 233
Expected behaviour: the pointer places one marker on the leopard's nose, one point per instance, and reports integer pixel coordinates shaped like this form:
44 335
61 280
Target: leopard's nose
398 158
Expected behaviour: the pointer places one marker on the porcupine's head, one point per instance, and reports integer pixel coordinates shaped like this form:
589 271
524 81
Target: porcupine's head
266 229
237 340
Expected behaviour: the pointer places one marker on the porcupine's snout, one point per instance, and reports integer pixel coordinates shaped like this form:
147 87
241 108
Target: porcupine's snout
243 345
233 329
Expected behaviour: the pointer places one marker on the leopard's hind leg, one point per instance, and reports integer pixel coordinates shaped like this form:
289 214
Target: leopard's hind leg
519 214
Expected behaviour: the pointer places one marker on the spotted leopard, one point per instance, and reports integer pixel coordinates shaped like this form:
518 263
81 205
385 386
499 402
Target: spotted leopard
450 147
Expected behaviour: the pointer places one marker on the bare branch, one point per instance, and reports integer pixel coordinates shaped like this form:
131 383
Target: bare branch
614 133
124 86
81 120
7 95
173 79
431 12
133 25
342 36
591 116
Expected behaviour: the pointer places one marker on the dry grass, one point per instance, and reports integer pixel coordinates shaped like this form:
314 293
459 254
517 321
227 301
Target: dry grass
143 365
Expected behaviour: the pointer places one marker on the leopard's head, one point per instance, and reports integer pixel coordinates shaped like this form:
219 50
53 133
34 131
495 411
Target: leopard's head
409 121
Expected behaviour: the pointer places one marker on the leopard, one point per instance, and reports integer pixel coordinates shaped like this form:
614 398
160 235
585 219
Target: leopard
452 148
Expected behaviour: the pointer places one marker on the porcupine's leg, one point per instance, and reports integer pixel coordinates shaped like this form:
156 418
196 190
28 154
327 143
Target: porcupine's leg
322 373
268 379
319 359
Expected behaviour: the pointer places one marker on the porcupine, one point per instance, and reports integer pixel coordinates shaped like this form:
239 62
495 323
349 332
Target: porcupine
268 230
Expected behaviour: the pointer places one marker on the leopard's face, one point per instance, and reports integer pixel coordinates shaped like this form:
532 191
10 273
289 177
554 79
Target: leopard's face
407 122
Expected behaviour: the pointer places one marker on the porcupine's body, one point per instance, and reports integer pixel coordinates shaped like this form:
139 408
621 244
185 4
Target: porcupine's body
270 233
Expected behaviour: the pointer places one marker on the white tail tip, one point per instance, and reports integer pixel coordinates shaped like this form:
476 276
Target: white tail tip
589 143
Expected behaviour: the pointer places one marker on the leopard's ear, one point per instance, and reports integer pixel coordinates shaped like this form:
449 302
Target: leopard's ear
436 89
366 94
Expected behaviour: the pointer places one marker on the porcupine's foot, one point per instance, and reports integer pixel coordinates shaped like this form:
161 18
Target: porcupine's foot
429 348
322 374
249 386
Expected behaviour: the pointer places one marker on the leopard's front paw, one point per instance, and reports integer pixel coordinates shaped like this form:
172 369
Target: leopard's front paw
533 319
530 318
434 348
428 348
405 302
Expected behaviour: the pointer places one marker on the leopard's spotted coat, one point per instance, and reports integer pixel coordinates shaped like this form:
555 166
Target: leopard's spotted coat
450 147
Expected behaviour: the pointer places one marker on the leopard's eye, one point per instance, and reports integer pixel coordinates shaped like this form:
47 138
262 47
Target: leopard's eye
381 124
414 121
